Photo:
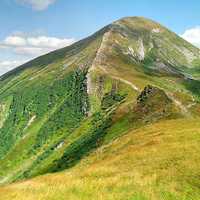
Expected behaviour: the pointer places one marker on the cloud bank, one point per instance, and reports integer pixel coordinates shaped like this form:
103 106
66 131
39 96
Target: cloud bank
26 47
37 4
34 46
192 35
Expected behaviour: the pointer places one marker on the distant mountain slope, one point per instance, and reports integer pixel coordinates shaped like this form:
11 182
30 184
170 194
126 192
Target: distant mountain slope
60 107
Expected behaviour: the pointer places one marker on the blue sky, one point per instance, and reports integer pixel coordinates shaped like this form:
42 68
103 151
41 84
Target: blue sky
33 27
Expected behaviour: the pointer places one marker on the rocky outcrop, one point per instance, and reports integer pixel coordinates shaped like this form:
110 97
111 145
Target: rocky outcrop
153 104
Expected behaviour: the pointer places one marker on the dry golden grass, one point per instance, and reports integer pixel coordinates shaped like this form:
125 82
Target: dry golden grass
159 161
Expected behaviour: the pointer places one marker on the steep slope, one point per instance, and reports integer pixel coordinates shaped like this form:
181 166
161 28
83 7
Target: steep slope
60 107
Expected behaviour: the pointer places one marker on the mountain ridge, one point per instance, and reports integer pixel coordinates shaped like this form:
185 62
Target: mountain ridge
105 29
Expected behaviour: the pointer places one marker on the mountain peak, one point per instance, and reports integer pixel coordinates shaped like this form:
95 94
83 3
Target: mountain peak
144 40
136 19
138 22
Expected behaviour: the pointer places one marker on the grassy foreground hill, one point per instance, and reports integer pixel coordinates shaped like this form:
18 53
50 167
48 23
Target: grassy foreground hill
159 161
114 116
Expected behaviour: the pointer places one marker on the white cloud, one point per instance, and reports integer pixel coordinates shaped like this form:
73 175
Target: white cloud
34 45
8 65
49 42
37 4
15 41
25 47
192 35
30 51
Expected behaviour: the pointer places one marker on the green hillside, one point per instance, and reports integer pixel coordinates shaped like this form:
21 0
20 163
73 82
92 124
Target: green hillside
119 109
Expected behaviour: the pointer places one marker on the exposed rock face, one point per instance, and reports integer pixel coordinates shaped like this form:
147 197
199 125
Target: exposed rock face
3 115
141 50
155 30
98 61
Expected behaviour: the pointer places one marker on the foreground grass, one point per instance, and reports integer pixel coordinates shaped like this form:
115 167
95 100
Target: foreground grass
159 161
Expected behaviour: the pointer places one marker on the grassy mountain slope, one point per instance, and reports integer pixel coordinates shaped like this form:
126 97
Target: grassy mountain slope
61 109
157 161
